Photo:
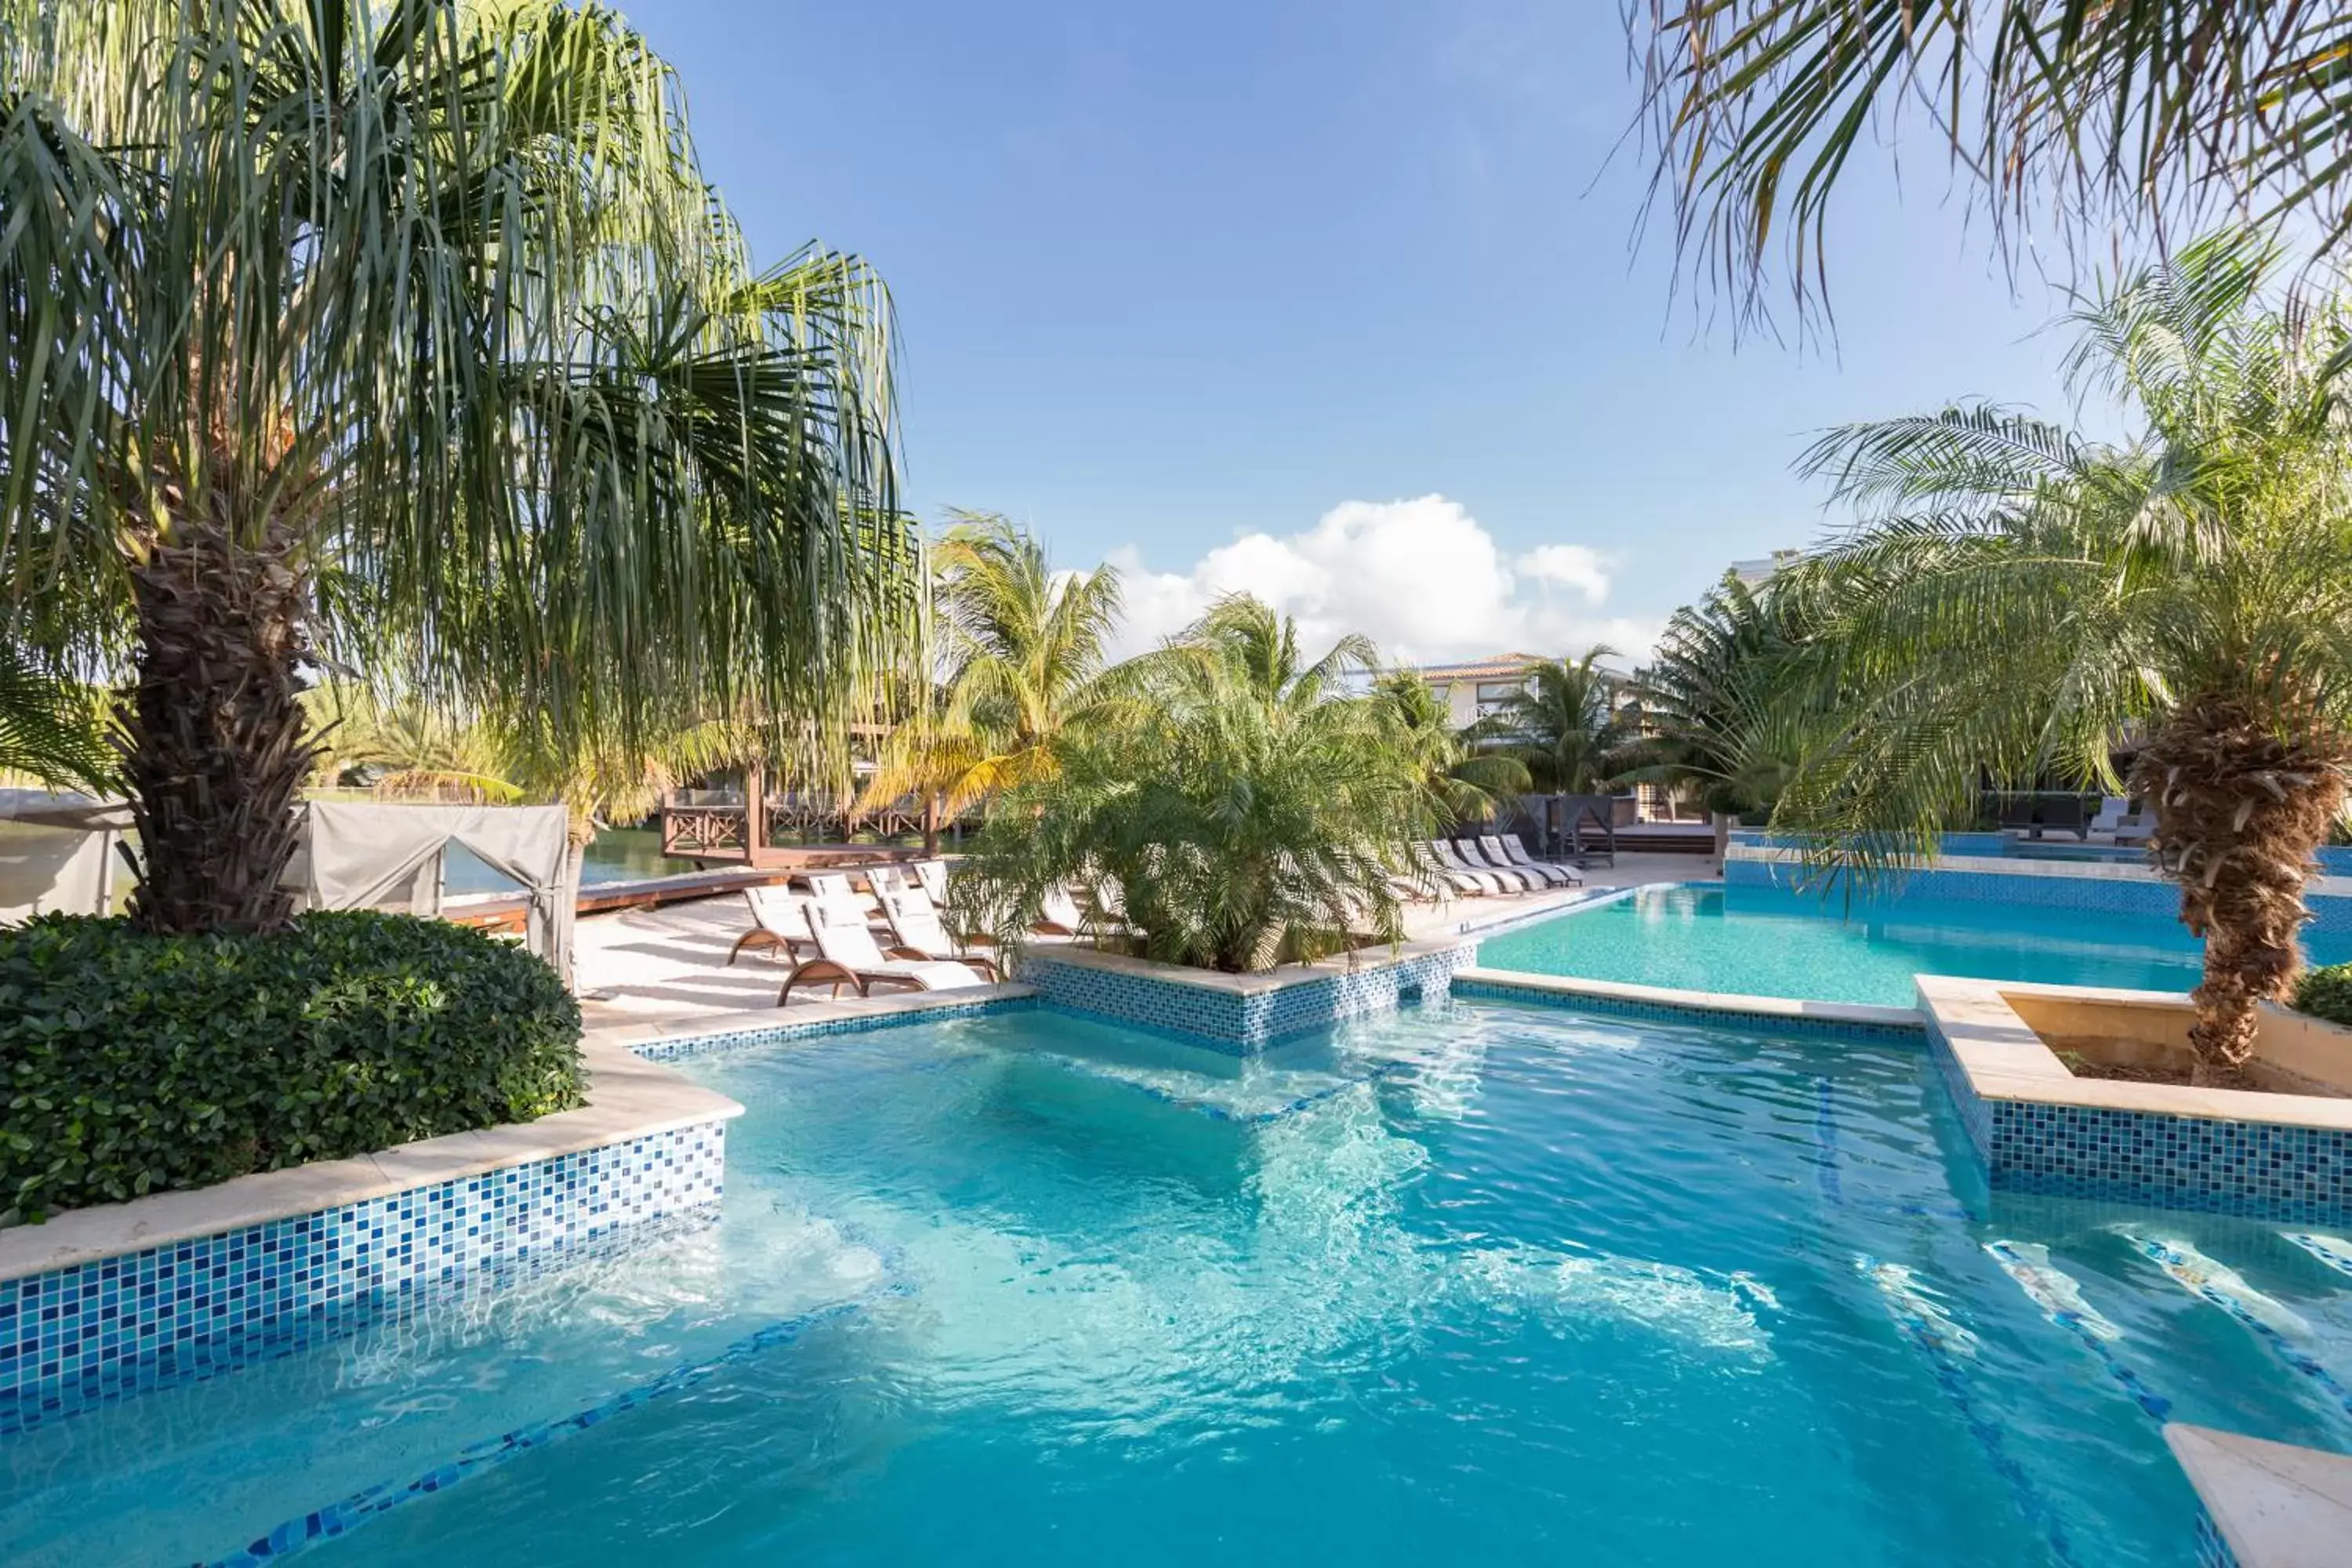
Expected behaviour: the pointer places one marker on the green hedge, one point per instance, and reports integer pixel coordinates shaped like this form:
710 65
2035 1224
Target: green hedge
131 1063
2327 993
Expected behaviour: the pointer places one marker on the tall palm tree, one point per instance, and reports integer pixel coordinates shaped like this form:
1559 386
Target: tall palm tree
333 330
2023 600
2064 117
1563 724
1720 710
1025 648
1468 784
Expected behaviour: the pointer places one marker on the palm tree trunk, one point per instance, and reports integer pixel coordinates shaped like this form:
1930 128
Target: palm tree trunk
930 824
214 745
2238 813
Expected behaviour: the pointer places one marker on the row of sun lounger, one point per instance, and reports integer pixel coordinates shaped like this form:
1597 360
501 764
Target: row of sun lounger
827 931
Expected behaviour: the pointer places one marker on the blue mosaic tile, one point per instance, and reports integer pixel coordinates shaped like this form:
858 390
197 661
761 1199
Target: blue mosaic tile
2256 1169
2212 1551
1237 1024
99 1331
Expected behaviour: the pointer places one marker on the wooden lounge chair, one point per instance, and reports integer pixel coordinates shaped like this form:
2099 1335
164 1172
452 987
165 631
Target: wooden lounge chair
917 933
776 923
932 877
848 956
1509 849
1059 914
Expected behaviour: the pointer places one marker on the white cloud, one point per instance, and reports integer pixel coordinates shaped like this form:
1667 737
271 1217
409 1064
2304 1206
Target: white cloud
1422 578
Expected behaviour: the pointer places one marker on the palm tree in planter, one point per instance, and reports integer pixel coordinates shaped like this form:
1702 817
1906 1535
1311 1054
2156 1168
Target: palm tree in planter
1721 706
335 331
1024 646
1246 808
2023 600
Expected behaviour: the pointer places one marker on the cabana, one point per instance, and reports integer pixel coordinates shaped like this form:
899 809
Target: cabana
57 853
361 856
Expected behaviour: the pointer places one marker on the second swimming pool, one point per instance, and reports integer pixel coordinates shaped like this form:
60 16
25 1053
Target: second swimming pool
1690 938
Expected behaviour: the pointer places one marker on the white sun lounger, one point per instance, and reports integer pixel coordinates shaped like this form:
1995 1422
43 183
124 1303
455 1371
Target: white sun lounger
1426 859
916 928
1522 879
848 956
777 921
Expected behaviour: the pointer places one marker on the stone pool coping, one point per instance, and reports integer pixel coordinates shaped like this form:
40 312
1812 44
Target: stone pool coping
2274 1505
629 1098
2005 1060
1566 987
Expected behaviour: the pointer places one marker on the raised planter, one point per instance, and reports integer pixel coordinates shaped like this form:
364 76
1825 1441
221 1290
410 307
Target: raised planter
108 1300
1240 1014
2042 1129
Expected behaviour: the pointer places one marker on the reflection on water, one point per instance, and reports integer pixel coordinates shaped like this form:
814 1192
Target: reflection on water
618 855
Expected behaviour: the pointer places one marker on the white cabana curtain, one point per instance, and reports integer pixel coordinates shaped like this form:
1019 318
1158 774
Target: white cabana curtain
57 853
358 856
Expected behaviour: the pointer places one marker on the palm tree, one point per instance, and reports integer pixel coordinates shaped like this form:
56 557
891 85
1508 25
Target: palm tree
336 331
49 731
1718 711
1024 646
1467 784
2063 115
1246 808
2022 600
1563 724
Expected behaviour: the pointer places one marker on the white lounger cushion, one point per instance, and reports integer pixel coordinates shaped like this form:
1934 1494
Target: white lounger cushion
841 935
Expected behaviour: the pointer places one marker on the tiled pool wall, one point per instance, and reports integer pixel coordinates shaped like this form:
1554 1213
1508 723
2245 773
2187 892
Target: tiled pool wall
2260 1169
1239 1022
99 1330
692 1044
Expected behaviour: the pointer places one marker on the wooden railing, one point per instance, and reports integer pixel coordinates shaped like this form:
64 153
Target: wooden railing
706 832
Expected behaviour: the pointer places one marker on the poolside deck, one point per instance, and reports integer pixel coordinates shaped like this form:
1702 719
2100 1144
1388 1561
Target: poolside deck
669 961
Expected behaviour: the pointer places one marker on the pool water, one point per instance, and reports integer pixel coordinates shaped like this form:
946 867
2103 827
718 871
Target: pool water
1474 1282
1764 942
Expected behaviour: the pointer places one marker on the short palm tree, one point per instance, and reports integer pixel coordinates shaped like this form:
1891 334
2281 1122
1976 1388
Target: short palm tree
1024 646
1245 808
339 332
1720 710
1468 784
2067 118
1563 725
2024 601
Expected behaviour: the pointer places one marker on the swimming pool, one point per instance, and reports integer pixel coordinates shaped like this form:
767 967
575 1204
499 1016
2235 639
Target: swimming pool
1472 1283
1766 942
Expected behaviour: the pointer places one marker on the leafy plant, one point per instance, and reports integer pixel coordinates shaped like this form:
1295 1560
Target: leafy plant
1240 811
51 731
2023 602
132 1063
411 338
2325 992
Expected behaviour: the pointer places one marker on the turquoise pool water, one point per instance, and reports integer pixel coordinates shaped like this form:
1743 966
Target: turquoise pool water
1760 942
1473 1283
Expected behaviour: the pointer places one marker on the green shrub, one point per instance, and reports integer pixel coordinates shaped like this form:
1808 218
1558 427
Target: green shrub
131 1063
2325 992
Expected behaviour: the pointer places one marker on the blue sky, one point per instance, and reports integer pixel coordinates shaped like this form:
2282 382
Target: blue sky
1177 284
